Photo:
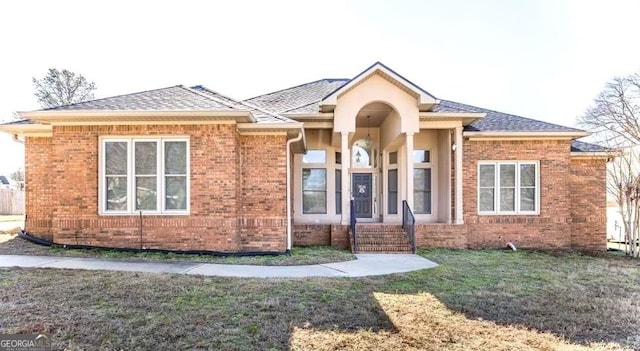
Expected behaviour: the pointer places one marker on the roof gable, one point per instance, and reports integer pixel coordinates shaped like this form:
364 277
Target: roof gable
423 97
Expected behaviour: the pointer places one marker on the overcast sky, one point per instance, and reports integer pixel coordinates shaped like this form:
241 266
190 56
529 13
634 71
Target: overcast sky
540 59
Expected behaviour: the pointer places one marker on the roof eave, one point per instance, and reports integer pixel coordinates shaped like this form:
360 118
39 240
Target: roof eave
591 154
524 135
33 130
269 128
57 116
314 116
465 117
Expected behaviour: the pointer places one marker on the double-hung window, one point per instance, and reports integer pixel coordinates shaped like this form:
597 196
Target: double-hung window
314 182
392 183
422 181
338 182
508 187
144 174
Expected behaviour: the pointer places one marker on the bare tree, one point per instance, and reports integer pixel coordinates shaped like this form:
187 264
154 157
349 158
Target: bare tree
623 184
613 118
17 175
63 87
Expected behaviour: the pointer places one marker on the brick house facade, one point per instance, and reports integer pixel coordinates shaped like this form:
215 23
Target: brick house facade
190 169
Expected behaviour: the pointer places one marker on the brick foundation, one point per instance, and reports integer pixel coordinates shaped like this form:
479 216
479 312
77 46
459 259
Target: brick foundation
333 235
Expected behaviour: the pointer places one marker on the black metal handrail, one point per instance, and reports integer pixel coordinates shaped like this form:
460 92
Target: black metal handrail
352 225
409 224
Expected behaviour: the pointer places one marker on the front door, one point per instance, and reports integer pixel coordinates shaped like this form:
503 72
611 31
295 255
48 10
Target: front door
361 189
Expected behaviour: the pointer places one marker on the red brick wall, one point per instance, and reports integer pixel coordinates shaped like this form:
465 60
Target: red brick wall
334 235
39 190
441 236
588 204
311 234
340 237
551 228
62 188
263 194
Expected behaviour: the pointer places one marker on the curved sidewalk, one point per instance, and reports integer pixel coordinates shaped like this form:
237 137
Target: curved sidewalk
364 265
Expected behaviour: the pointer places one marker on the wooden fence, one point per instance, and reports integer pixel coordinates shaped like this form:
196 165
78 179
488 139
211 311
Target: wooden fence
11 202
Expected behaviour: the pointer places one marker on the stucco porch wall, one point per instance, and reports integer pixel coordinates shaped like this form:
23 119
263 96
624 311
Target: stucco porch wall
226 213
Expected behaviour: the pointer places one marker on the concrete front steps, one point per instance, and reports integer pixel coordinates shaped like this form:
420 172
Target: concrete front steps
380 238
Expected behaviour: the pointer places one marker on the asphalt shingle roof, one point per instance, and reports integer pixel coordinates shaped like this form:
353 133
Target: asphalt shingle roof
304 98
165 99
22 121
261 115
581 146
175 98
495 121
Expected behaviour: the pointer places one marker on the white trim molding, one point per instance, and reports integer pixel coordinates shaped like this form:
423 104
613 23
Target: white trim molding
517 186
130 175
524 135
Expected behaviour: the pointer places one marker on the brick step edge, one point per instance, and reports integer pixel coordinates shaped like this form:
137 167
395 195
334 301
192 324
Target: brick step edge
380 235
376 230
384 242
384 247
382 250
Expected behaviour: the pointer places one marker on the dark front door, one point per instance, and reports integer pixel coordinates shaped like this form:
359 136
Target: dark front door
361 189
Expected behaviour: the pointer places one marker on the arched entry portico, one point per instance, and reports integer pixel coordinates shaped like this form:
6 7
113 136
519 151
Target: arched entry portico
382 151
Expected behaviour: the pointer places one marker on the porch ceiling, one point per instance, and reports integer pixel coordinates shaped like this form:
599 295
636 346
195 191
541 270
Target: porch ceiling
377 112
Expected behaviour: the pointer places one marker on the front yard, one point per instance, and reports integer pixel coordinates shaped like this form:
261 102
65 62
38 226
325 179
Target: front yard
490 300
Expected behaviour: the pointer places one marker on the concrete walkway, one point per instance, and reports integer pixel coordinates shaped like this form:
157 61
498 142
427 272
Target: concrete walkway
365 265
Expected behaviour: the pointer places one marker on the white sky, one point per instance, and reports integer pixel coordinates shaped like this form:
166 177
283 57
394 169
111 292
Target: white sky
540 59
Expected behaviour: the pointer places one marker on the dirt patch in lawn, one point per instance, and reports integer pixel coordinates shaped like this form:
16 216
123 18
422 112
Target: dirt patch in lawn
14 245
489 299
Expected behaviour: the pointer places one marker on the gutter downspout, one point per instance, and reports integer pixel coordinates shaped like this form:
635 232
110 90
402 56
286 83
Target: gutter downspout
289 142
16 139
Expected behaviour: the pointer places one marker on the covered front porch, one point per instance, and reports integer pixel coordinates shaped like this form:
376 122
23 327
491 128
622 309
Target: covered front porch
378 147
379 166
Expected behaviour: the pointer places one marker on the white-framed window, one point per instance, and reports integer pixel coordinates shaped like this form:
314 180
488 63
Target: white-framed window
148 174
392 183
315 156
314 182
508 187
422 181
338 182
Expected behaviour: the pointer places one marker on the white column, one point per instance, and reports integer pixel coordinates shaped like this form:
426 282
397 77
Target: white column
409 169
346 195
459 212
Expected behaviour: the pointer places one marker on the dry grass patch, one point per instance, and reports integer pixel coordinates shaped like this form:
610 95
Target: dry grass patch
424 323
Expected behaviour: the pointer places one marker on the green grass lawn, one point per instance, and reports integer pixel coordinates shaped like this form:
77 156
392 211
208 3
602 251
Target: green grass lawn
486 300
